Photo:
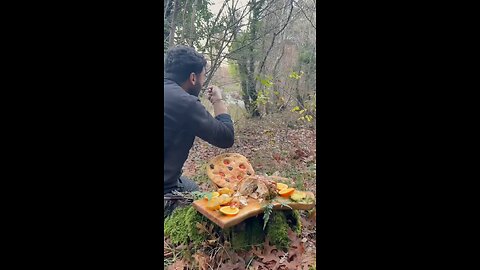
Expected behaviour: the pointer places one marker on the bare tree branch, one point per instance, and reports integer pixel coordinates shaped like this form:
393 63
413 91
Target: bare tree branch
166 9
215 22
308 19
275 35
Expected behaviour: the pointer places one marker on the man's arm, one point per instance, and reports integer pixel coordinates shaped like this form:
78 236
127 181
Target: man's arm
214 95
217 131
219 107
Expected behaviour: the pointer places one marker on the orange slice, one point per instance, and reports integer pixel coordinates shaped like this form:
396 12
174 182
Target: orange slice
281 186
229 211
224 199
214 194
225 190
286 192
214 204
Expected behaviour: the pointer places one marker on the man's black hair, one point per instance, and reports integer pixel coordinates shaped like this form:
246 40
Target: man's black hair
181 61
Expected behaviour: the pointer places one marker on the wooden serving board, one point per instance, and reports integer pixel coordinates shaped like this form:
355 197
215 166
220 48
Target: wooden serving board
253 208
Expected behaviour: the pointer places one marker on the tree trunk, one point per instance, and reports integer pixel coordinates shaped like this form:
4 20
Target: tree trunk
173 25
167 7
243 71
192 24
251 86
184 32
166 20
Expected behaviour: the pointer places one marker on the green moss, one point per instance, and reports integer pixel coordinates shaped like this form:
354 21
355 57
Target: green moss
247 233
181 228
278 225
294 221
239 237
277 230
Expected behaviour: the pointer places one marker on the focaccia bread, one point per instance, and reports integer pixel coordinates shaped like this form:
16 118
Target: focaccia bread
227 170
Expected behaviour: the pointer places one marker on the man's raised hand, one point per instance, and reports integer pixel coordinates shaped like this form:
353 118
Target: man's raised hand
214 94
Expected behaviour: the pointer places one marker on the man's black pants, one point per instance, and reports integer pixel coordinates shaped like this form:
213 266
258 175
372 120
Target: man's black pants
184 185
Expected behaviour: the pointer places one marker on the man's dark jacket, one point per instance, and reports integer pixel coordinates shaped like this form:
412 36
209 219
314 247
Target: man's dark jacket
184 118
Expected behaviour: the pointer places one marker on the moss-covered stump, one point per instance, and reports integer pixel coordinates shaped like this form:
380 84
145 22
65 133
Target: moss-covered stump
277 230
278 225
250 232
246 234
293 219
181 227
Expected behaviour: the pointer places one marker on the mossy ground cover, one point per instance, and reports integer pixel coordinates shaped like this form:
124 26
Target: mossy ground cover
181 228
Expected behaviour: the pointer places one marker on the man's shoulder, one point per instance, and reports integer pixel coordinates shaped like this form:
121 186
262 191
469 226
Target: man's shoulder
178 95
171 87
173 93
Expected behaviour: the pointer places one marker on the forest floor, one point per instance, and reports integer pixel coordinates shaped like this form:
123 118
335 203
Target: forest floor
273 145
277 144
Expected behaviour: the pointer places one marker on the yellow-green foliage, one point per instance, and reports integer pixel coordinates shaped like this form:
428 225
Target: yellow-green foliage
181 228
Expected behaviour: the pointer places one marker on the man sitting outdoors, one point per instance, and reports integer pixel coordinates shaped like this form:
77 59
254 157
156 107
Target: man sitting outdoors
186 118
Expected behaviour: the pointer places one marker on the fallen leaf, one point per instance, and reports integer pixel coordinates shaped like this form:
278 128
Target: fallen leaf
178 265
202 260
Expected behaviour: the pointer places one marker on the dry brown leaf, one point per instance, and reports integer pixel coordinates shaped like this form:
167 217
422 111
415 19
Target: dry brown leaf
269 248
202 227
296 249
202 260
308 260
232 261
272 260
276 156
294 265
256 265
178 265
